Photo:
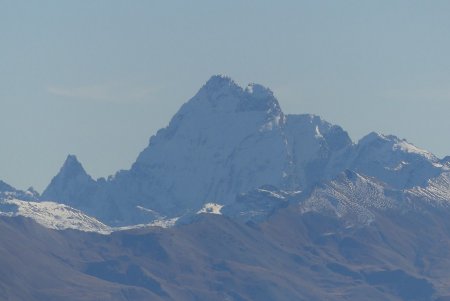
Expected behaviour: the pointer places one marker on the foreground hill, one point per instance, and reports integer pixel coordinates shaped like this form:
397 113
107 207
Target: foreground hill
290 256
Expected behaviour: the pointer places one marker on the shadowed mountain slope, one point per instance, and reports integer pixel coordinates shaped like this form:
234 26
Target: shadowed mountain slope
291 256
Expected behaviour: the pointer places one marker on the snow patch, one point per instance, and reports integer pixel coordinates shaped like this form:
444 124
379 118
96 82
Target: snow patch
161 223
211 208
404 146
61 217
56 216
318 134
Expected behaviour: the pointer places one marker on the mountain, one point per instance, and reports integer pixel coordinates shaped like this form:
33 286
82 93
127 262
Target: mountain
224 141
228 140
234 200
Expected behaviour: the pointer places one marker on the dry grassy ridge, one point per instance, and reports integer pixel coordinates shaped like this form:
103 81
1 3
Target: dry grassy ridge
291 256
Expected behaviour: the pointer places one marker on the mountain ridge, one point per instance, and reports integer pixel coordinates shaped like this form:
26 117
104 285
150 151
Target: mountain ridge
228 140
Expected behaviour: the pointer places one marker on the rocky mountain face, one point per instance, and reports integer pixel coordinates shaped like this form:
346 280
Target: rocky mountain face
69 182
229 140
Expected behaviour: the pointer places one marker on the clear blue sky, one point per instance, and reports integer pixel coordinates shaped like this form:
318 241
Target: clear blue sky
98 78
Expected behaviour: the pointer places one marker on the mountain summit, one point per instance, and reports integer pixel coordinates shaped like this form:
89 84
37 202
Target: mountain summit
228 140
65 186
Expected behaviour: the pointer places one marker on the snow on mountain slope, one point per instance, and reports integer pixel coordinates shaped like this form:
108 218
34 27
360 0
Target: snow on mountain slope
317 148
350 196
158 223
61 217
14 202
394 161
54 216
437 190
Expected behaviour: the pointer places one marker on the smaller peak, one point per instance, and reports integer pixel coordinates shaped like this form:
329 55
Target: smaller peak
31 193
375 136
72 166
395 144
32 190
70 180
4 187
258 91
71 159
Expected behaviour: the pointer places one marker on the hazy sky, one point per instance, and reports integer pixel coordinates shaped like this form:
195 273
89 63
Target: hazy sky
98 78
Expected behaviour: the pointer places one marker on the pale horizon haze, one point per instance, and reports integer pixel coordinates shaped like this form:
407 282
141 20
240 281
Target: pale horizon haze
98 78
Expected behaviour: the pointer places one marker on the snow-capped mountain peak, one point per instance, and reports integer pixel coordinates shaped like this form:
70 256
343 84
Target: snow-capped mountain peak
228 140
223 141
